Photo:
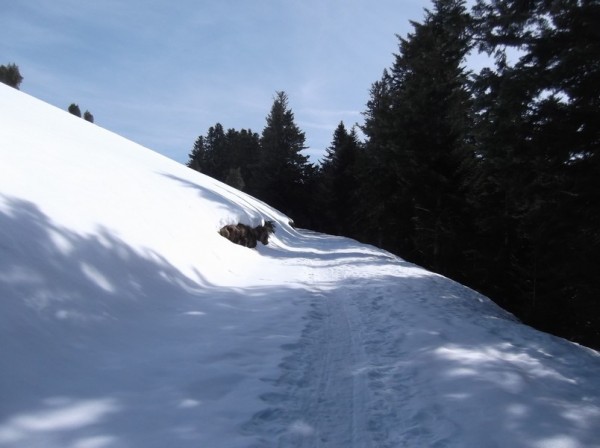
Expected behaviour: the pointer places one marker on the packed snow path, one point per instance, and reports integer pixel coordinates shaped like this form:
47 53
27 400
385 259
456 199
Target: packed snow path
380 364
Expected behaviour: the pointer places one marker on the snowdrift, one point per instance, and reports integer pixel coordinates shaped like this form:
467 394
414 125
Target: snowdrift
126 320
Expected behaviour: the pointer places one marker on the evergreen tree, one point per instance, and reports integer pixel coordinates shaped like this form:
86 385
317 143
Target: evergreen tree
217 150
538 141
284 170
209 154
417 126
10 75
197 159
498 175
339 182
229 156
74 109
87 116
244 153
384 203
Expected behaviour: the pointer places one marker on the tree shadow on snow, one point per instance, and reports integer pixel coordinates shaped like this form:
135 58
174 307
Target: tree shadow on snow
430 363
209 194
96 337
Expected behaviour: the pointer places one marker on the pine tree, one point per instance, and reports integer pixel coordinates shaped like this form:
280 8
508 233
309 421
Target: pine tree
538 141
10 75
339 182
87 116
217 150
74 109
209 154
243 154
417 126
384 203
283 169
229 156
197 158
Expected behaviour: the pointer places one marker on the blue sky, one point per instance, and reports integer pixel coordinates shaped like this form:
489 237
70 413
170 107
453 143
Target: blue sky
162 72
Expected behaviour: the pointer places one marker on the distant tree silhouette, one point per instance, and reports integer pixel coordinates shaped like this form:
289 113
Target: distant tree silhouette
74 109
87 116
338 183
10 75
537 183
417 124
284 170
230 157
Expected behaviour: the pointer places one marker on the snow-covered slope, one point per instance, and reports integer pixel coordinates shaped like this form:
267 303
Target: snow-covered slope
127 321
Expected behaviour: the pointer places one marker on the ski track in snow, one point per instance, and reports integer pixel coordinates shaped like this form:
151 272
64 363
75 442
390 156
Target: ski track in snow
336 387
376 366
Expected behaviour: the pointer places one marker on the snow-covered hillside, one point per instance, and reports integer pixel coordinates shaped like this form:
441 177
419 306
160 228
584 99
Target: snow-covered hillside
126 320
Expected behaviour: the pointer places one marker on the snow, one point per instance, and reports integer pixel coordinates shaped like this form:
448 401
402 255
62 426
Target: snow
126 320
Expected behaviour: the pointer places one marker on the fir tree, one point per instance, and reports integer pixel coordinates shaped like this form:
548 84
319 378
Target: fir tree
283 169
384 201
10 75
538 141
217 150
339 182
416 125
197 158
209 154
74 109
244 152
230 156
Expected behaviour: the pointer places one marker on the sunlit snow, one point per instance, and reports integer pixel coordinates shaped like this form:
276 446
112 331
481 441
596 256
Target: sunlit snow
126 320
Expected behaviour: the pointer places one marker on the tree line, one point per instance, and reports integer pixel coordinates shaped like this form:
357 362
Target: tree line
270 167
491 177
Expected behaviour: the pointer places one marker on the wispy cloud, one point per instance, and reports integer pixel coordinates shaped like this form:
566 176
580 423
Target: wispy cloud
161 72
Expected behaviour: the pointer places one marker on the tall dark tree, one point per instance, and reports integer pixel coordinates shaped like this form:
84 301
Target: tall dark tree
218 151
284 170
197 158
538 142
210 152
384 203
244 152
417 126
10 75
339 182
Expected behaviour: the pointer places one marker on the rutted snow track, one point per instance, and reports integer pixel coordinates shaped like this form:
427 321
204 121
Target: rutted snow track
330 392
380 363
322 391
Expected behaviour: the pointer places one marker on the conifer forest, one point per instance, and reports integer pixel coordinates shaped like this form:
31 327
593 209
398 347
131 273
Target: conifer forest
490 176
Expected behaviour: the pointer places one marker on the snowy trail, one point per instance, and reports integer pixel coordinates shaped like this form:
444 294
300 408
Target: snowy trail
318 401
328 401
378 364
330 392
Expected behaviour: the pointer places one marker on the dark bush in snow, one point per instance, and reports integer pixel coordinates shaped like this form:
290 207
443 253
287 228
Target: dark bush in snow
247 236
